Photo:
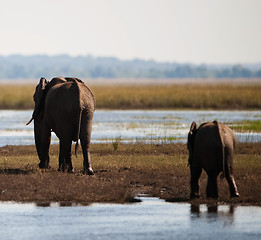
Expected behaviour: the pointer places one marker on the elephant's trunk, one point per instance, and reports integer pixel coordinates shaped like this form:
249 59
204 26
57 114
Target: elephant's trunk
37 134
37 139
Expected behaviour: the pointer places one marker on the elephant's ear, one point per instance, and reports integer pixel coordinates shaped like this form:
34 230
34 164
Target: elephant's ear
191 135
39 100
39 95
193 128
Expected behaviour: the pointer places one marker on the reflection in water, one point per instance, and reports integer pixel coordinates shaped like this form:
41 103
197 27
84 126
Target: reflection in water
60 204
213 211
151 219
43 204
211 208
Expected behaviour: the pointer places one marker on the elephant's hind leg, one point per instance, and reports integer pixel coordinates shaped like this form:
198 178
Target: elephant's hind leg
87 169
65 156
232 185
212 188
85 138
229 174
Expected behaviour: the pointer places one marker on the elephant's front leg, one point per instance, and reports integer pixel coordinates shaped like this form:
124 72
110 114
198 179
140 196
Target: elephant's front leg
61 161
45 145
195 172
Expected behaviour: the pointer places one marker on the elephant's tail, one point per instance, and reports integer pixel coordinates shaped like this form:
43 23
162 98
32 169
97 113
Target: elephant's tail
78 129
222 149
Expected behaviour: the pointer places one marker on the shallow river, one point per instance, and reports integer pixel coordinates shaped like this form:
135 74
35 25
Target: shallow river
130 126
150 219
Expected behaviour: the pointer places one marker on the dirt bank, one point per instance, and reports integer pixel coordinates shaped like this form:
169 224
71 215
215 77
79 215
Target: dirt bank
156 170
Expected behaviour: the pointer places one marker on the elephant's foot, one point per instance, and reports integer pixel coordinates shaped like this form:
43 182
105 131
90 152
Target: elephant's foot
88 171
63 169
212 194
213 197
70 170
234 191
233 195
43 165
194 195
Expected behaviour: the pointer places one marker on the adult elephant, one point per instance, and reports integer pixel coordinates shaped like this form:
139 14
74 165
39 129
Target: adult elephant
66 107
211 147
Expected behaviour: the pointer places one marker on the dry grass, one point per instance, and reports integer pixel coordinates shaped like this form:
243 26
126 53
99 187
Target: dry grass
16 96
157 170
151 97
179 96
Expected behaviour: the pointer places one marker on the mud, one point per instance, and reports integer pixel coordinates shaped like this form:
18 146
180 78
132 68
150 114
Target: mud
120 175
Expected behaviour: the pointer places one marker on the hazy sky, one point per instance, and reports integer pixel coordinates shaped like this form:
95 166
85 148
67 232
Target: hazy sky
195 31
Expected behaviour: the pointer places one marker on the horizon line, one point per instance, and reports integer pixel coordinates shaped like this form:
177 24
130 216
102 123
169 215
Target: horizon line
130 59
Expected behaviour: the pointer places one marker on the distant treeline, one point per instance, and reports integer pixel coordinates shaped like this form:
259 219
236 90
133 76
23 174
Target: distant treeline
36 66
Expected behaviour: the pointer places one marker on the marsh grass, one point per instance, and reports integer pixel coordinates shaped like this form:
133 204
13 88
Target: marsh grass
179 96
16 96
151 97
247 125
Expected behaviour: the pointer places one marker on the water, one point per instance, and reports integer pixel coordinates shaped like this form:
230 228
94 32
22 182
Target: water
129 126
151 219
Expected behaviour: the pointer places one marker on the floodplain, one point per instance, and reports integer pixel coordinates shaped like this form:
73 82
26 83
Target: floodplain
125 170
158 170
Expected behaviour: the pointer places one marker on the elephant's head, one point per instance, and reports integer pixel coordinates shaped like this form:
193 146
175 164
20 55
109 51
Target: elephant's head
191 140
40 94
39 99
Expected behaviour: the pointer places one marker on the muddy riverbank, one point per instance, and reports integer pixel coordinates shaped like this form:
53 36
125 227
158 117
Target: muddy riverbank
120 174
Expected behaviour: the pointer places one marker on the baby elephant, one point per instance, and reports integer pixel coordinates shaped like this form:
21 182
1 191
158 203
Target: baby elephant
211 147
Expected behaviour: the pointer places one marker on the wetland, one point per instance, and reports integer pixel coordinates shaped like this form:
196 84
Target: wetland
147 126
140 189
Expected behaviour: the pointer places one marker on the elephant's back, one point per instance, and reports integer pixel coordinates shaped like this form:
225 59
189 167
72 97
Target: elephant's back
62 105
229 139
207 134
64 96
87 99
208 146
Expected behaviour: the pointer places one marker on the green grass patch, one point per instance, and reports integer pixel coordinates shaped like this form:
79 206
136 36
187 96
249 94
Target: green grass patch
247 125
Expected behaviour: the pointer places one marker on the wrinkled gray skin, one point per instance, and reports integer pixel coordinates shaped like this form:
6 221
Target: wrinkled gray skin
211 148
66 107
